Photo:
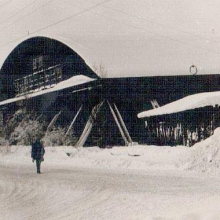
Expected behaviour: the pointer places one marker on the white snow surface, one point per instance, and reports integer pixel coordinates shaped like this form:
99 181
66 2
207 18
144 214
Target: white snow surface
71 82
187 103
123 158
205 156
136 182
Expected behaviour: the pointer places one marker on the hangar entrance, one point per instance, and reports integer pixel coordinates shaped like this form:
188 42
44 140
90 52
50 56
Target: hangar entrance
42 63
106 127
101 125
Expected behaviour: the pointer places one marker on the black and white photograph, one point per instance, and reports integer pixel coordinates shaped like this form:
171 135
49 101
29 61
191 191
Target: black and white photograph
109 109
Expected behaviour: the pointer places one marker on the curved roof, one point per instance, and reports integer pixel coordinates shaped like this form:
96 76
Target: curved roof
18 62
42 45
128 37
23 46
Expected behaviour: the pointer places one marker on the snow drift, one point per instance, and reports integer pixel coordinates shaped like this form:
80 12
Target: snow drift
118 158
205 156
202 157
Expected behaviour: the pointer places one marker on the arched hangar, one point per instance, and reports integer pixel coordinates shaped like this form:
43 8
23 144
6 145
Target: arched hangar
40 63
51 79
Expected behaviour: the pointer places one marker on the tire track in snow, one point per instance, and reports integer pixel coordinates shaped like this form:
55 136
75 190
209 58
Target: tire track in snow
29 191
93 194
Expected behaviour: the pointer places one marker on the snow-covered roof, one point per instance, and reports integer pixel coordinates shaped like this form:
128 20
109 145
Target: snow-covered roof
190 102
129 37
71 82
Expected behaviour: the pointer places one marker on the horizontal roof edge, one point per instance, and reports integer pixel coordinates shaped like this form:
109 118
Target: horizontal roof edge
198 100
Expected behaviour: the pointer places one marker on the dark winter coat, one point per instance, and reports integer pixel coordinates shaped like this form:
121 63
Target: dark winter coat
37 151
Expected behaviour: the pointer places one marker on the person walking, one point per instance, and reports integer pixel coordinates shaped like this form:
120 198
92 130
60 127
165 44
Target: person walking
37 153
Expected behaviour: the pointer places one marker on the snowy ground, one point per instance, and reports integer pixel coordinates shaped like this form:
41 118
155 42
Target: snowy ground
138 182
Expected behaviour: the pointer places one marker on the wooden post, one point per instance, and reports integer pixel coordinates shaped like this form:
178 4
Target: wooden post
119 126
53 122
123 124
72 123
38 118
89 125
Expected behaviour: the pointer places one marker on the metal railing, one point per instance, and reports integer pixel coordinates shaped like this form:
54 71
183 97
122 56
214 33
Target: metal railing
37 81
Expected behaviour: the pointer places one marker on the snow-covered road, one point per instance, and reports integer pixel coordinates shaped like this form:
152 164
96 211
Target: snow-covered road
136 182
82 193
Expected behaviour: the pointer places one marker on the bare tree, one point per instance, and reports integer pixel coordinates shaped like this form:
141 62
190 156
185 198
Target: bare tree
100 70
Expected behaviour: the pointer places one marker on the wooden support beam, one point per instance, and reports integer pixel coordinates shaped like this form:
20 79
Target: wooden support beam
53 121
38 118
119 126
72 123
123 125
89 125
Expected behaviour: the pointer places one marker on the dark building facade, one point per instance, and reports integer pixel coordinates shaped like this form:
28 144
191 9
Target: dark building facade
41 63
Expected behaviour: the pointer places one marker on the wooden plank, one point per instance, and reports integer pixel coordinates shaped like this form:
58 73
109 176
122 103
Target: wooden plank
119 126
72 123
88 126
53 121
123 124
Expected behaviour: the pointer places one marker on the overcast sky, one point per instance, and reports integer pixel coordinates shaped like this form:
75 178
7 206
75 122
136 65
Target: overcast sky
129 37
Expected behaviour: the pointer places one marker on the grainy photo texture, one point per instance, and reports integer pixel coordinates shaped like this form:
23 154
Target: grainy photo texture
109 109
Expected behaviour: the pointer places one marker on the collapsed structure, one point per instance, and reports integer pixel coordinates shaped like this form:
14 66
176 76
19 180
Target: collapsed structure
51 80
